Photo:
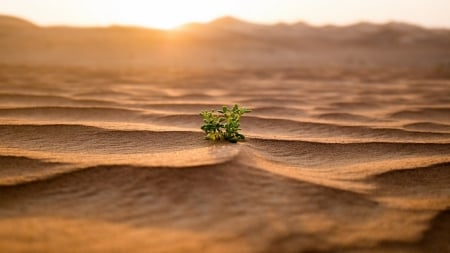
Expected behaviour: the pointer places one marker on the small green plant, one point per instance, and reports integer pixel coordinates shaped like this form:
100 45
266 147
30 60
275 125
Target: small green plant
223 125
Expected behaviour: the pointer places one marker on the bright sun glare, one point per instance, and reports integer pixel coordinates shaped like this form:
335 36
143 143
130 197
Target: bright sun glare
168 15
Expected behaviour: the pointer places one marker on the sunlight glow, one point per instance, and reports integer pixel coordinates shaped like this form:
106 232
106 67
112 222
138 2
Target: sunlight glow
169 14
172 13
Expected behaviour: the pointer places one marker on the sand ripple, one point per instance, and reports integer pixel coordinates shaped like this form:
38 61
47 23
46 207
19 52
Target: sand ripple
111 162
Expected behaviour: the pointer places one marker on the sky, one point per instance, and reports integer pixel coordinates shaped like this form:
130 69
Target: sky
166 14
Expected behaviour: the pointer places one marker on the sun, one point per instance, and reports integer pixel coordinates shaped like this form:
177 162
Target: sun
166 14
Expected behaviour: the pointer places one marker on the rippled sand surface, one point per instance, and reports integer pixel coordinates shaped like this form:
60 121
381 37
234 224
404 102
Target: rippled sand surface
108 161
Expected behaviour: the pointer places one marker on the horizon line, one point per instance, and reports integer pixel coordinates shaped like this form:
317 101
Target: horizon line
224 17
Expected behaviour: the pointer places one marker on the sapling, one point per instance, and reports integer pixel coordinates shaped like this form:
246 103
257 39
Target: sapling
223 125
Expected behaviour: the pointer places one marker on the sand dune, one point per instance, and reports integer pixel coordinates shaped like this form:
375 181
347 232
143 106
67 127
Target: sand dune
100 153
233 44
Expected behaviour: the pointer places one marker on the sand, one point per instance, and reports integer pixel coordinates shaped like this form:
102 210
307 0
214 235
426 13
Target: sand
111 160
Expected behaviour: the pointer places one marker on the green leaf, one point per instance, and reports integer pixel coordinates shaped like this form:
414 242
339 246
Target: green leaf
223 125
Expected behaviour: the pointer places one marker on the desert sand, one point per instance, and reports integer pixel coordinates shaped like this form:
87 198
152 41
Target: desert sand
347 148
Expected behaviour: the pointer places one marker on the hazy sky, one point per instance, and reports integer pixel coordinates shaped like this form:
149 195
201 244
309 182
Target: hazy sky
171 13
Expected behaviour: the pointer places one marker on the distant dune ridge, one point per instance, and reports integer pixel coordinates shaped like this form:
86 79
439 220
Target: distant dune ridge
347 146
229 43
